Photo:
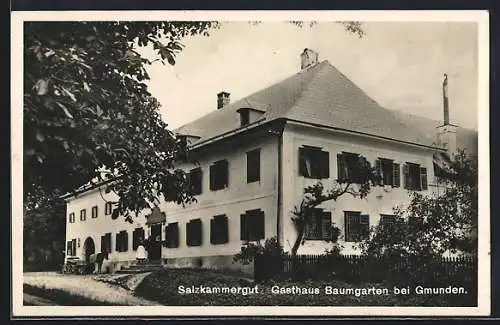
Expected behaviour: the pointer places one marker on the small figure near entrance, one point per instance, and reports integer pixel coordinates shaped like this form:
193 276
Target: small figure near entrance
98 260
141 254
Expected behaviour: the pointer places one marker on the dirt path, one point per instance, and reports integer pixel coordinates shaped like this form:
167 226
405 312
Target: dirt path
86 286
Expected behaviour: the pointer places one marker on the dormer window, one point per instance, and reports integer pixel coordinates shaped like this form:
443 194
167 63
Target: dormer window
244 117
249 115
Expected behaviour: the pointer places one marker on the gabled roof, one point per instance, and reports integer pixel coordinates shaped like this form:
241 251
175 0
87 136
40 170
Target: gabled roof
319 95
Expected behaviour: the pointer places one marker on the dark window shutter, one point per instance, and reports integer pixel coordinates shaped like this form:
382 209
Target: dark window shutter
325 164
260 229
347 226
380 172
224 230
327 225
73 247
189 234
225 173
134 239
341 168
364 226
213 231
302 162
243 227
423 178
212 177
175 240
118 242
125 241
396 175
68 248
406 175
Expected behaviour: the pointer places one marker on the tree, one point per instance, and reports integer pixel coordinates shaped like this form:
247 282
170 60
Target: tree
433 224
88 114
316 194
86 107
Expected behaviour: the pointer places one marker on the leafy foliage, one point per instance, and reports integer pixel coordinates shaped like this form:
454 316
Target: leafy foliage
86 107
271 248
434 224
316 194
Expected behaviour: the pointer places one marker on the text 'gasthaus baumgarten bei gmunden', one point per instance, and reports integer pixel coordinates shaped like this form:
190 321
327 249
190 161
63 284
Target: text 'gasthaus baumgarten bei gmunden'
328 290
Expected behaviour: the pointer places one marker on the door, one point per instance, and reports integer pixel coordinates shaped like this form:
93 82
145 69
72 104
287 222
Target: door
89 247
155 243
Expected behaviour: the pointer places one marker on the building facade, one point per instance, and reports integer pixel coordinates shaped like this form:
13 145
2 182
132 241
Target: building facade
254 158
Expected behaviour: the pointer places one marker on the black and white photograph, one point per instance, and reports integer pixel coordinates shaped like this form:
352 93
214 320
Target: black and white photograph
250 163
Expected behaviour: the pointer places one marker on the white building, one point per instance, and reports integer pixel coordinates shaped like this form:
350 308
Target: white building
255 157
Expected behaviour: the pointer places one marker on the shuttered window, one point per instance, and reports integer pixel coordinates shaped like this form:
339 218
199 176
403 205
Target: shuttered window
121 241
219 233
106 243
253 166
396 175
108 208
195 181
357 226
319 225
252 225
314 163
172 235
194 233
348 167
137 236
71 247
219 175
71 217
415 177
83 215
94 212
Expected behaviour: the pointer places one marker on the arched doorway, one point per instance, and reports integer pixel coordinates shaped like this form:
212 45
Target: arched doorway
89 248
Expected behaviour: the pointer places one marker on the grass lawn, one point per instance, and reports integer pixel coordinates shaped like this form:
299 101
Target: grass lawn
164 287
63 298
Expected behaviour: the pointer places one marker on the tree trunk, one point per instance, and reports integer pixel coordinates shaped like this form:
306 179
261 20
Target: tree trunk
298 240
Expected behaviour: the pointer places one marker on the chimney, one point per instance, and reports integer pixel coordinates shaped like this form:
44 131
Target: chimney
222 99
308 58
446 119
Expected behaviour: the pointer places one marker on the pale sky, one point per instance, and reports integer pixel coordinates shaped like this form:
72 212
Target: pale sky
400 65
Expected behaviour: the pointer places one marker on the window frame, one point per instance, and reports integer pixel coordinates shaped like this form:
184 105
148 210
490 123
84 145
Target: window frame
220 166
71 217
360 230
253 160
199 185
96 210
219 236
190 241
83 214
415 177
323 224
108 208
252 225
168 241
319 162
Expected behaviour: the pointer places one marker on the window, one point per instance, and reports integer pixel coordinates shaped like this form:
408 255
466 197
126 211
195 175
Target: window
137 236
108 208
83 215
106 243
252 225
313 163
71 247
195 181
349 168
253 166
94 212
415 177
319 225
194 233
122 241
219 230
71 217
219 175
244 117
387 221
389 172
172 235
357 226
